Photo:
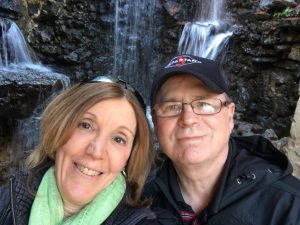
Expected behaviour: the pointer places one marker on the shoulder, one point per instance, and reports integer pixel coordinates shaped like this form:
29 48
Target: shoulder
157 216
127 215
4 194
251 142
5 211
159 174
257 147
290 185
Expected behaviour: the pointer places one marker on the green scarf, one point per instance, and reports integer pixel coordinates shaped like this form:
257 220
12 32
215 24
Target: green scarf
47 208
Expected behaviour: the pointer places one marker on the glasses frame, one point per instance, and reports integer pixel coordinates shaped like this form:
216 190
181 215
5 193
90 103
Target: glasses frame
110 79
222 104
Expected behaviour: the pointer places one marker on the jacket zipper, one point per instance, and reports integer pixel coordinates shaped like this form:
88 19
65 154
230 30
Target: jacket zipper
11 200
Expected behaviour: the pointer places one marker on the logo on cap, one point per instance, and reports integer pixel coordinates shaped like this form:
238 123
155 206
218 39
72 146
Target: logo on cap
181 61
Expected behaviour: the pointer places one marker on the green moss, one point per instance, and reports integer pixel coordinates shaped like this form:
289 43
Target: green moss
287 12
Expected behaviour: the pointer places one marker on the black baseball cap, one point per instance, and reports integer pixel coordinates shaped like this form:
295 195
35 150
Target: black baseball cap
204 69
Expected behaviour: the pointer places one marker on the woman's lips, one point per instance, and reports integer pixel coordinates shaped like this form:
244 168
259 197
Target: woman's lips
87 171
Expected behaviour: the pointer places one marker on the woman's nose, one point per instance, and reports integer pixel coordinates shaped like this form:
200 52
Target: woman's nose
97 147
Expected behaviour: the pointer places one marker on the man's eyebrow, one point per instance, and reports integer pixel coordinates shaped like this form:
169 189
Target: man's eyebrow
201 96
175 99
169 99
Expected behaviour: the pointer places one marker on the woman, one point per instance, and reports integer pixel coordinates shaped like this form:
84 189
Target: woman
90 165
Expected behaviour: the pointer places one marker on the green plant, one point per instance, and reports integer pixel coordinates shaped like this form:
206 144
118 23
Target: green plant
287 12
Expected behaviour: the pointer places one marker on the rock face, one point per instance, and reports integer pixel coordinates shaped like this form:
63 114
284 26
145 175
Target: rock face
292 149
78 38
262 61
263 65
22 91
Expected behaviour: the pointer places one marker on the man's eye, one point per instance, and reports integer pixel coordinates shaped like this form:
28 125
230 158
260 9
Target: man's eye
172 107
204 106
85 125
200 104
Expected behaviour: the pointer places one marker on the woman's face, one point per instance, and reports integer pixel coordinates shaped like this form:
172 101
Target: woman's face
96 152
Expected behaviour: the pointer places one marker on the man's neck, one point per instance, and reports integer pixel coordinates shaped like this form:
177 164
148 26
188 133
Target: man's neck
198 183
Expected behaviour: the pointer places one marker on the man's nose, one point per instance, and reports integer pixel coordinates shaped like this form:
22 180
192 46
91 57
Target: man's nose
187 116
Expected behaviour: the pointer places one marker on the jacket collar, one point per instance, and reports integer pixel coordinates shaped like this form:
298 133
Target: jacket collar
249 161
24 185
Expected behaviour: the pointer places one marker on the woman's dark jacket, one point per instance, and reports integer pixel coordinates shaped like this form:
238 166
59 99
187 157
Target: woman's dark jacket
16 202
256 187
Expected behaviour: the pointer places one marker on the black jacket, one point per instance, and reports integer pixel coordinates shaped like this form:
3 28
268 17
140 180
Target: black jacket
16 201
256 187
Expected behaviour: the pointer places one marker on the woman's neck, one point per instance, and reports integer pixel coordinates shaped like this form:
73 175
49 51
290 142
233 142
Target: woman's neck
70 209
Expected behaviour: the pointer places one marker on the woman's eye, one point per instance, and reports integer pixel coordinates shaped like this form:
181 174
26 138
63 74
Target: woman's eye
120 140
85 125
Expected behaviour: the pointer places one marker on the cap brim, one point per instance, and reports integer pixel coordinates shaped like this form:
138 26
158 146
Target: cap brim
166 74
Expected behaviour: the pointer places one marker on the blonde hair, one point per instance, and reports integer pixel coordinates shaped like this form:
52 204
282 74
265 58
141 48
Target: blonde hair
60 120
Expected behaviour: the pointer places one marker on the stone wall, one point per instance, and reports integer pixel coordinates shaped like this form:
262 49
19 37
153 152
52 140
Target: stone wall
292 150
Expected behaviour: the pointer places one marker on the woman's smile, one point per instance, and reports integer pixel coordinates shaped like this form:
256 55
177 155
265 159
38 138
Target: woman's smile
87 171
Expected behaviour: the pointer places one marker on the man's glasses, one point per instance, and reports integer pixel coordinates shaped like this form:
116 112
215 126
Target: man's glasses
200 107
109 79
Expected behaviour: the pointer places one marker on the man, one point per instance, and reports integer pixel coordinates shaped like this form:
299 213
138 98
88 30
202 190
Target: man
209 176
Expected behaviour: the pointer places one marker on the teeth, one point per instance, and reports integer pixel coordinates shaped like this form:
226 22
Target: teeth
88 171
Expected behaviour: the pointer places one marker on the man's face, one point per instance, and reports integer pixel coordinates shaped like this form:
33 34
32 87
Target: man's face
190 139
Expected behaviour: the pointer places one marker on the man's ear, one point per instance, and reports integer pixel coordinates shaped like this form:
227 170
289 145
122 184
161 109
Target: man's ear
231 110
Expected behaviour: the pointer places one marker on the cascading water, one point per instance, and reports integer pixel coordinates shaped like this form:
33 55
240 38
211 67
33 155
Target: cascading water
16 63
133 34
13 45
209 34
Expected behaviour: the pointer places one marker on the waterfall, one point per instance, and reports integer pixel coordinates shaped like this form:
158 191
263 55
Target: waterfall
133 37
13 45
14 53
207 36
16 65
126 38
133 33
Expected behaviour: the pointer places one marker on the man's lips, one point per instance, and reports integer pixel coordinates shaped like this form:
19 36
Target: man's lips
190 138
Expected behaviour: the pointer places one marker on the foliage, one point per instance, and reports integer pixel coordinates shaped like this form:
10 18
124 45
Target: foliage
287 12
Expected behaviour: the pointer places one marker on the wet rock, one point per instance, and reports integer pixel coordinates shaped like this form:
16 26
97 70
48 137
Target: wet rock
4 163
23 89
279 4
11 9
180 10
263 60
295 53
246 129
292 149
